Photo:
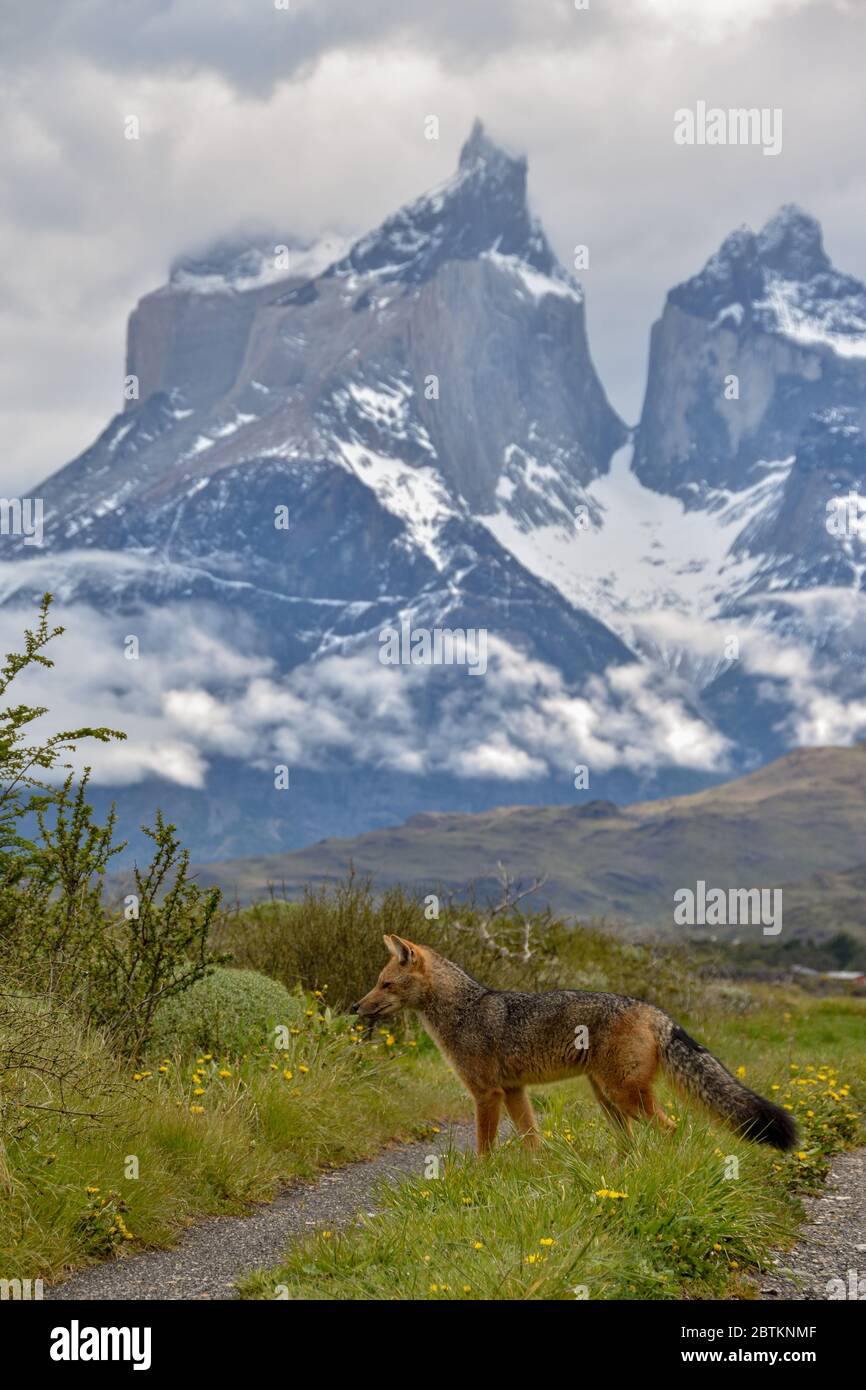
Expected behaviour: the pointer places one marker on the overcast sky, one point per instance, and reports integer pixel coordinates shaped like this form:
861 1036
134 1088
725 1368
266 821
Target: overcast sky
314 118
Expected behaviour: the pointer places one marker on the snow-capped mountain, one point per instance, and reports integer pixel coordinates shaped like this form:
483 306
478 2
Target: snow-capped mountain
405 431
764 336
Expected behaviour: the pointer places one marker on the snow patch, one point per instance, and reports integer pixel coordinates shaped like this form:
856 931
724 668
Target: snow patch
533 282
840 325
732 312
648 554
416 495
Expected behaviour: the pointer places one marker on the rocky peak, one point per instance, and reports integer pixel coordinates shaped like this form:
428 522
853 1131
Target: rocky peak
772 295
750 269
479 149
791 244
482 207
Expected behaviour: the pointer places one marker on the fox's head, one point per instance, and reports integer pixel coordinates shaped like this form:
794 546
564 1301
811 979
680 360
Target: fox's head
401 984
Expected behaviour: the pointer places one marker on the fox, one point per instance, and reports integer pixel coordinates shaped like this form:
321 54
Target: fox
499 1041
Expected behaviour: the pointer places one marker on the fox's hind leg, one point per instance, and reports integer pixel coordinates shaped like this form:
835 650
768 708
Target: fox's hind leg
519 1107
625 1071
618 1118
626 1101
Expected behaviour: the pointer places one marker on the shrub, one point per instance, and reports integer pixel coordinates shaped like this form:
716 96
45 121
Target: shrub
58 938
332 939
227 1011
52 1068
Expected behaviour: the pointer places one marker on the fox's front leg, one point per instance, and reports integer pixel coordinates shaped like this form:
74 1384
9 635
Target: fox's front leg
488 1106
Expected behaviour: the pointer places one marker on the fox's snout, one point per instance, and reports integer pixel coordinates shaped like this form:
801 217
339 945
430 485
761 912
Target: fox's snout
378 1001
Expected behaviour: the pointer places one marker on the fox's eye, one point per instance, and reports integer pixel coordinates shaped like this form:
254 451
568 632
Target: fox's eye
385 984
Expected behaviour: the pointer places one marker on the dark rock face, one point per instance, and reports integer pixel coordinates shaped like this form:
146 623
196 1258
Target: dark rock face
811 536
484 208
770 310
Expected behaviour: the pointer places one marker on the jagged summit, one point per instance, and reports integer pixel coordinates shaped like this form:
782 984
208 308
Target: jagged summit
771 297
481 208
480 149
791 242
250 359
780 280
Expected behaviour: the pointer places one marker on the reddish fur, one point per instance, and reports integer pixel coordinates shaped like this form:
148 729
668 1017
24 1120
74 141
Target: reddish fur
624 1070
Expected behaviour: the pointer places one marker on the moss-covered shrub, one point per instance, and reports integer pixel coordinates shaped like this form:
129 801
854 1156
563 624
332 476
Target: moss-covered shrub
227 1011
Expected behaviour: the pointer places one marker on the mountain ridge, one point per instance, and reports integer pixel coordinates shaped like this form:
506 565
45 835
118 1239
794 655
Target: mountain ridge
782 826
421 408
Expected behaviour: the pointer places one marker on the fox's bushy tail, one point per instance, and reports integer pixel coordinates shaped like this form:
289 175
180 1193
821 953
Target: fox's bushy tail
697 1072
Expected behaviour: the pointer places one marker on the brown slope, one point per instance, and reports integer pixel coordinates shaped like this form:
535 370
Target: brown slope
801 816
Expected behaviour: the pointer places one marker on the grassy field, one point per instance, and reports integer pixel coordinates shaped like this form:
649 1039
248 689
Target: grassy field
163 1059
693 1215
177 1138
121 1155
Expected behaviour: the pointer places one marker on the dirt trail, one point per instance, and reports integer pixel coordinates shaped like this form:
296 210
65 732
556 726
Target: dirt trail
832 1245
213 1255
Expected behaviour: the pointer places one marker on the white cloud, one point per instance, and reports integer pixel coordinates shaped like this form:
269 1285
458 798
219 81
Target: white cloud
195 694
199 691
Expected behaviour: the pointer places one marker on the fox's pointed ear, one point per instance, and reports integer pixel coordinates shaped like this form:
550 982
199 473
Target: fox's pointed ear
402 951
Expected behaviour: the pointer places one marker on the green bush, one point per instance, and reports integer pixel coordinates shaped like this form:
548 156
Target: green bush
332 940
227 1011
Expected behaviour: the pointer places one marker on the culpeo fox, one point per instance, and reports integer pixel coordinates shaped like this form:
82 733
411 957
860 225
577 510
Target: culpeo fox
500 1041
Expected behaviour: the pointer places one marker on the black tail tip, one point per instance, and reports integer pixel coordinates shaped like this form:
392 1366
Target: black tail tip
772 1125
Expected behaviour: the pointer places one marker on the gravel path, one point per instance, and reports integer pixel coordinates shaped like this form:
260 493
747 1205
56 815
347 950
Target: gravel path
215 1254
833 1242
